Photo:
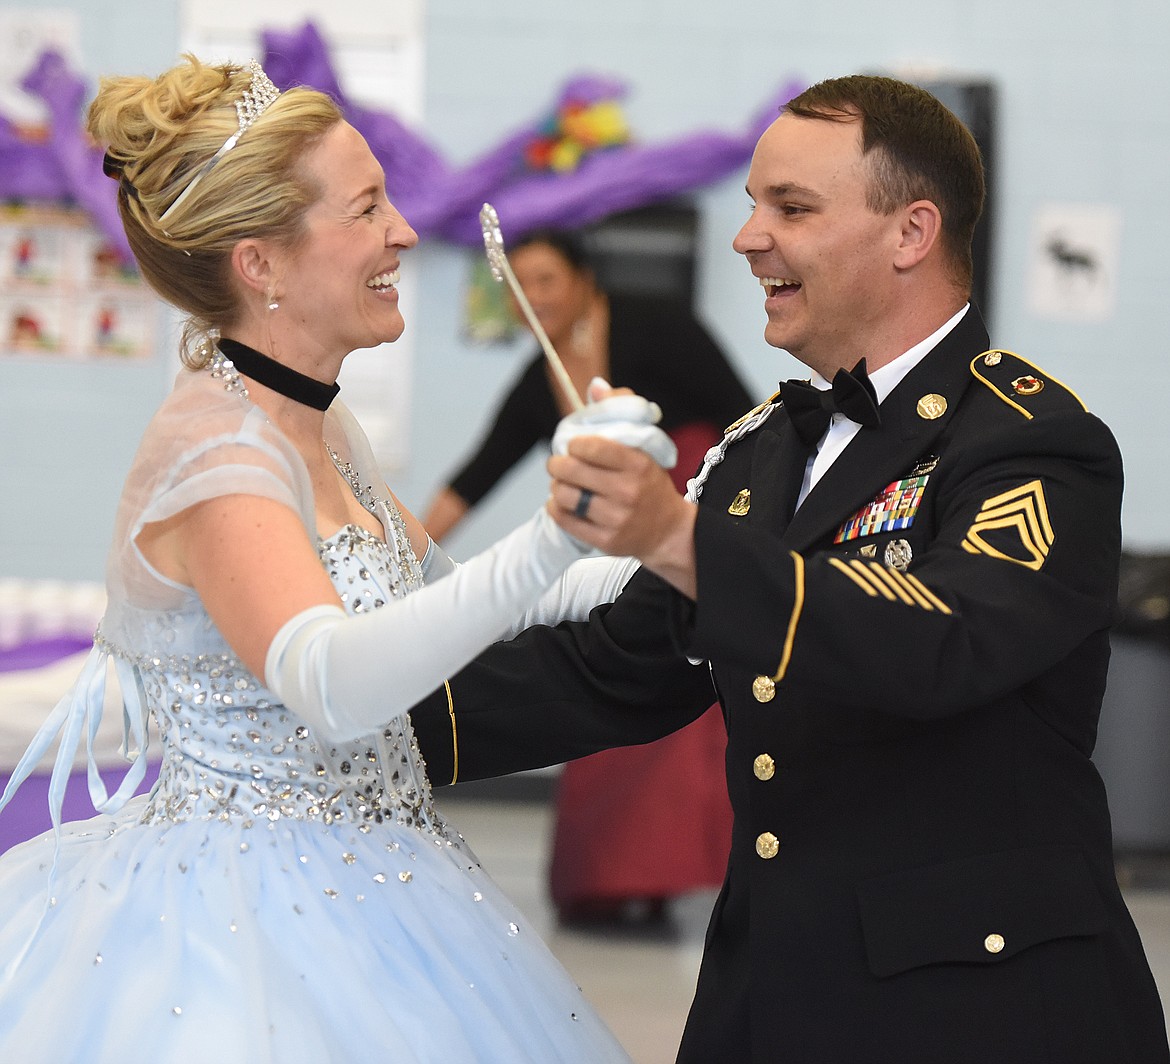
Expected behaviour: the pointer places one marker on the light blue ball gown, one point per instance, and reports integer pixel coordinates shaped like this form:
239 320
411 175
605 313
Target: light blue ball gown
275 897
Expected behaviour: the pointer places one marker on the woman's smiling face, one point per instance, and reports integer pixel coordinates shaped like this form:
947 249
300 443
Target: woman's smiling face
340 280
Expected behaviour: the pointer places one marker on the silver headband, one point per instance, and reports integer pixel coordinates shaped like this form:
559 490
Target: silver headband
250 106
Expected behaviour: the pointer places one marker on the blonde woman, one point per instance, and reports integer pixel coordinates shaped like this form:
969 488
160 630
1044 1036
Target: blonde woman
288 890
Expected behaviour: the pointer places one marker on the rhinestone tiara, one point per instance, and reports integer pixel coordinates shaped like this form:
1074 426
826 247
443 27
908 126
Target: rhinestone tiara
256 99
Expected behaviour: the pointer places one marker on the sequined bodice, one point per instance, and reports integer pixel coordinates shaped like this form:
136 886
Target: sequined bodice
232 751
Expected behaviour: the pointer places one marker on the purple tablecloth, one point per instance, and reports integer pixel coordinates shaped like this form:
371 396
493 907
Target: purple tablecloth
34 653
28 812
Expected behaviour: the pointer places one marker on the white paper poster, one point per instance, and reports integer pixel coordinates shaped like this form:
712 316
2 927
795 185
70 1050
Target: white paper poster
1075 253
26 33
64 293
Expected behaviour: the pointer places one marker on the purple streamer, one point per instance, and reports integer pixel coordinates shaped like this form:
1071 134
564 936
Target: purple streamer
437 199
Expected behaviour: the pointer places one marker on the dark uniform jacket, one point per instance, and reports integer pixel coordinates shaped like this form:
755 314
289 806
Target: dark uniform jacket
911 670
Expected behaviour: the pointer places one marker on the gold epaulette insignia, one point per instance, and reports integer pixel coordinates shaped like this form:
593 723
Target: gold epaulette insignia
1025 387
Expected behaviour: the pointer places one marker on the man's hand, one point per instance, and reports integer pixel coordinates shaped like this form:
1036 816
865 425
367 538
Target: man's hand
634 508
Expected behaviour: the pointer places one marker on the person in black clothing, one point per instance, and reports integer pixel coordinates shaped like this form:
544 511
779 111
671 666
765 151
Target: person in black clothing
653 345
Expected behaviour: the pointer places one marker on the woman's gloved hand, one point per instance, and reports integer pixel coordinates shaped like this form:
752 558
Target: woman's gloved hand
621 416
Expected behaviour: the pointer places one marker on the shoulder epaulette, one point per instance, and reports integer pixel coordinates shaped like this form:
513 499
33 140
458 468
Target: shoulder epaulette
751 413
1025 387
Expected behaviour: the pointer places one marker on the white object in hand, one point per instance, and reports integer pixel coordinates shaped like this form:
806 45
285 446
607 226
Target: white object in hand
626 419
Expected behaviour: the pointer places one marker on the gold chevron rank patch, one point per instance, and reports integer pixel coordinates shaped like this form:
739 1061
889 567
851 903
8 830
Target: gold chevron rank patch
1013 527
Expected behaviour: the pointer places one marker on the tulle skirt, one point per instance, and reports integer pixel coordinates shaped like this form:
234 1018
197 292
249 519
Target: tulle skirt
285 941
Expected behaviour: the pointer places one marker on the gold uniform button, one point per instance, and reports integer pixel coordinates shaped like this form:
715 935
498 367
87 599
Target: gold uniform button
767 845
992 943
764 688
764 767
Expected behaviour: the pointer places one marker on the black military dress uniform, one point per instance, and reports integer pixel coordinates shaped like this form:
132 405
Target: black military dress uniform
911 668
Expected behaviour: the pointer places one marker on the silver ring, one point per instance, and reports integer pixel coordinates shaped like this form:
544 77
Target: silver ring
582 507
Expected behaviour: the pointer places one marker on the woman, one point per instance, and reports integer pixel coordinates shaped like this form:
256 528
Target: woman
617 860
653 345
287 891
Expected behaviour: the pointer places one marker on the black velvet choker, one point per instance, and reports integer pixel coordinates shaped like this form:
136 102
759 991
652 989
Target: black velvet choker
277 376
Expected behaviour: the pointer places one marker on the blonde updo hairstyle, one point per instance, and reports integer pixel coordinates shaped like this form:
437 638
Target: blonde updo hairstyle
159 133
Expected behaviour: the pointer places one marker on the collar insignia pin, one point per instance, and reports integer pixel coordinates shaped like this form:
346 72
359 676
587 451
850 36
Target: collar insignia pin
741 503
932 406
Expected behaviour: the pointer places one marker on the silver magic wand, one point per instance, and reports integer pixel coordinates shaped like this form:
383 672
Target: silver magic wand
493 243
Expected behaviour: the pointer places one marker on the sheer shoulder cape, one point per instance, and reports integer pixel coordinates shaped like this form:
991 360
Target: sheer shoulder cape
205 441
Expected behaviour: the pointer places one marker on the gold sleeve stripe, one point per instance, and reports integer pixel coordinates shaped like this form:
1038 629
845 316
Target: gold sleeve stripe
794 620
836 563
878 580
454 734
929 595
882 574
878 585
911 590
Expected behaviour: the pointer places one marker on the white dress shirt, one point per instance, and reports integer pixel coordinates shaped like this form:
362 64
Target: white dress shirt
841 429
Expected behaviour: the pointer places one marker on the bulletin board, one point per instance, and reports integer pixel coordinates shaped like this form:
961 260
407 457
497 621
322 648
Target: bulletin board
64 292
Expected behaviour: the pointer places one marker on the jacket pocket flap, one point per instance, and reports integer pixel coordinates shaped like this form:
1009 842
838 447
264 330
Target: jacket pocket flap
980 910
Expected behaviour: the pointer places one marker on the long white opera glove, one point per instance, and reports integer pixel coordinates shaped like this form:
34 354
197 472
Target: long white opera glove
346 676
585 584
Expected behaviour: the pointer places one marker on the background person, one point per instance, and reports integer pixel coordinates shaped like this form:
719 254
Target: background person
650 344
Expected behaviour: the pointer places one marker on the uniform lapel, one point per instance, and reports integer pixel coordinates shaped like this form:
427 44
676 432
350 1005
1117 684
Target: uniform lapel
777 471
877 456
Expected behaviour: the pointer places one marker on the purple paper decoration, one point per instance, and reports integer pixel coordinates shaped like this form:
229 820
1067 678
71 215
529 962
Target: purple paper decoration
75 164
439 201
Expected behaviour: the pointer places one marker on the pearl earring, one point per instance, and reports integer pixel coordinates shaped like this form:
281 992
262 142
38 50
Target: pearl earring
274 305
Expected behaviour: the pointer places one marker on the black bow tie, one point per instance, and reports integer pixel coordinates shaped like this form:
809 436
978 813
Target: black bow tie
810 409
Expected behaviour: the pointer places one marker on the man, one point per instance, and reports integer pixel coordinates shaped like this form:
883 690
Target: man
906 622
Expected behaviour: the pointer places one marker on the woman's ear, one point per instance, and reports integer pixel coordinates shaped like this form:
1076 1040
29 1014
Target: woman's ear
253 267
921 232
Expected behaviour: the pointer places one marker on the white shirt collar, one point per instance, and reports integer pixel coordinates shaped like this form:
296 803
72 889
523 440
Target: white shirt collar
889 376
